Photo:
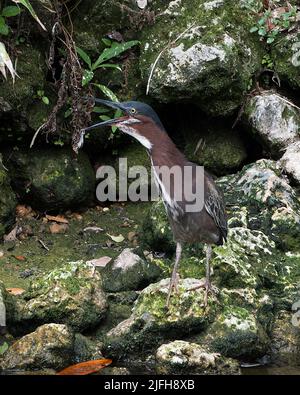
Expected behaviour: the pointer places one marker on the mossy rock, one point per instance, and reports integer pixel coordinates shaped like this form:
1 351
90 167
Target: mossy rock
273 121
152 322
129 272
267 196
50 346
52 178
213 58
236 334
71 294
222 152
156 230
31 70
7 201
181 357
286 58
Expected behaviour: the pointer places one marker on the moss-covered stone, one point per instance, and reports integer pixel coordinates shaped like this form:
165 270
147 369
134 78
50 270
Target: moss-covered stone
181 357
156 231
285 55
236 333
7 201
31 67
71 294
52 178
274 121
152 322
222 151
212 60
129 272
272 204
50 346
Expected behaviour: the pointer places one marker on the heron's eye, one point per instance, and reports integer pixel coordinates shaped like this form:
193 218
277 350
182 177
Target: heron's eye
132 110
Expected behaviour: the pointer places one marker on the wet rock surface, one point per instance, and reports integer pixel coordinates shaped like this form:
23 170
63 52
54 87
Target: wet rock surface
129 272
50 346
71 294
180 356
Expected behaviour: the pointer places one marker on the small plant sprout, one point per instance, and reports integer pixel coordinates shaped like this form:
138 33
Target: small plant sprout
42 97
7 12
112 50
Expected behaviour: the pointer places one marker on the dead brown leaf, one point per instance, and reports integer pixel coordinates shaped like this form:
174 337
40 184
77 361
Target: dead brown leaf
59 219
20 257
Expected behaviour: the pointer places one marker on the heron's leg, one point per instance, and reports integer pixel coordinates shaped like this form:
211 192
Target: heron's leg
174 277
207 284
208 287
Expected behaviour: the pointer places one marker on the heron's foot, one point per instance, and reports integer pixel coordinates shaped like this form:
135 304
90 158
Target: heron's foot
209 289
174 280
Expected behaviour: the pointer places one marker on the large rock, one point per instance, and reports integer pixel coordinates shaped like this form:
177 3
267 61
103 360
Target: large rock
71 294
52 178
212 56
50 346
271 205
181 357
236 333
290 162
274 121
151 322
7 201
221 151
129 272
286 57
285 340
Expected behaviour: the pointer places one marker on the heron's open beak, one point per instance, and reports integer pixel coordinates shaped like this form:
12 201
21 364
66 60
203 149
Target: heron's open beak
115 121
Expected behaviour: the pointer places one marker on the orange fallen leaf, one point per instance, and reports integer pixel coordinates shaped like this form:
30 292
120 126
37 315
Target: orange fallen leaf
20 257
15 291
84 368
58 228
59 218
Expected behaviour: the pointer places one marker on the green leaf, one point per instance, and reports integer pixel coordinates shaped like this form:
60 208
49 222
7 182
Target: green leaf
270 40
104 117
110 65
45 100
27 5
84 56
11 10
106 41
262 31
87 77
253 29
68 112
3 348
114 51
4 29
107 92
101 110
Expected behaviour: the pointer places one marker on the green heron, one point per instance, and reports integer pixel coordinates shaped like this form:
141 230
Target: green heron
208 224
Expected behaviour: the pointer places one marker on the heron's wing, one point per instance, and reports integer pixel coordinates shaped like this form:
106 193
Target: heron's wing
214 205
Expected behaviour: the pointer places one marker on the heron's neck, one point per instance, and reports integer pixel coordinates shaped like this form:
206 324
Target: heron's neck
165 153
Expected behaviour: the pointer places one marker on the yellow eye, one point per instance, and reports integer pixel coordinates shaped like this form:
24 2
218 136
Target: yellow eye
132 110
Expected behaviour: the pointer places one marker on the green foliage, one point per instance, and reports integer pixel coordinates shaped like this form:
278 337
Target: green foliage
7 12
272 22
113 49
3 348
267 62
42 97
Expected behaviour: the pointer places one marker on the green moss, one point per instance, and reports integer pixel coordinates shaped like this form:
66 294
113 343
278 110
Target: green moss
7 201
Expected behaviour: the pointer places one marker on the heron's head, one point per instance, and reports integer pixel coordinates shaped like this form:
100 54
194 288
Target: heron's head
139 121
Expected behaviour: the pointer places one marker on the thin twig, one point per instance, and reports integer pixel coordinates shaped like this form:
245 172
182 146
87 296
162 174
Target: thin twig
160 54
43 244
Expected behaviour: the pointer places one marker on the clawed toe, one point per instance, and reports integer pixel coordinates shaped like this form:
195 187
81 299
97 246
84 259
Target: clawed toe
173 286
